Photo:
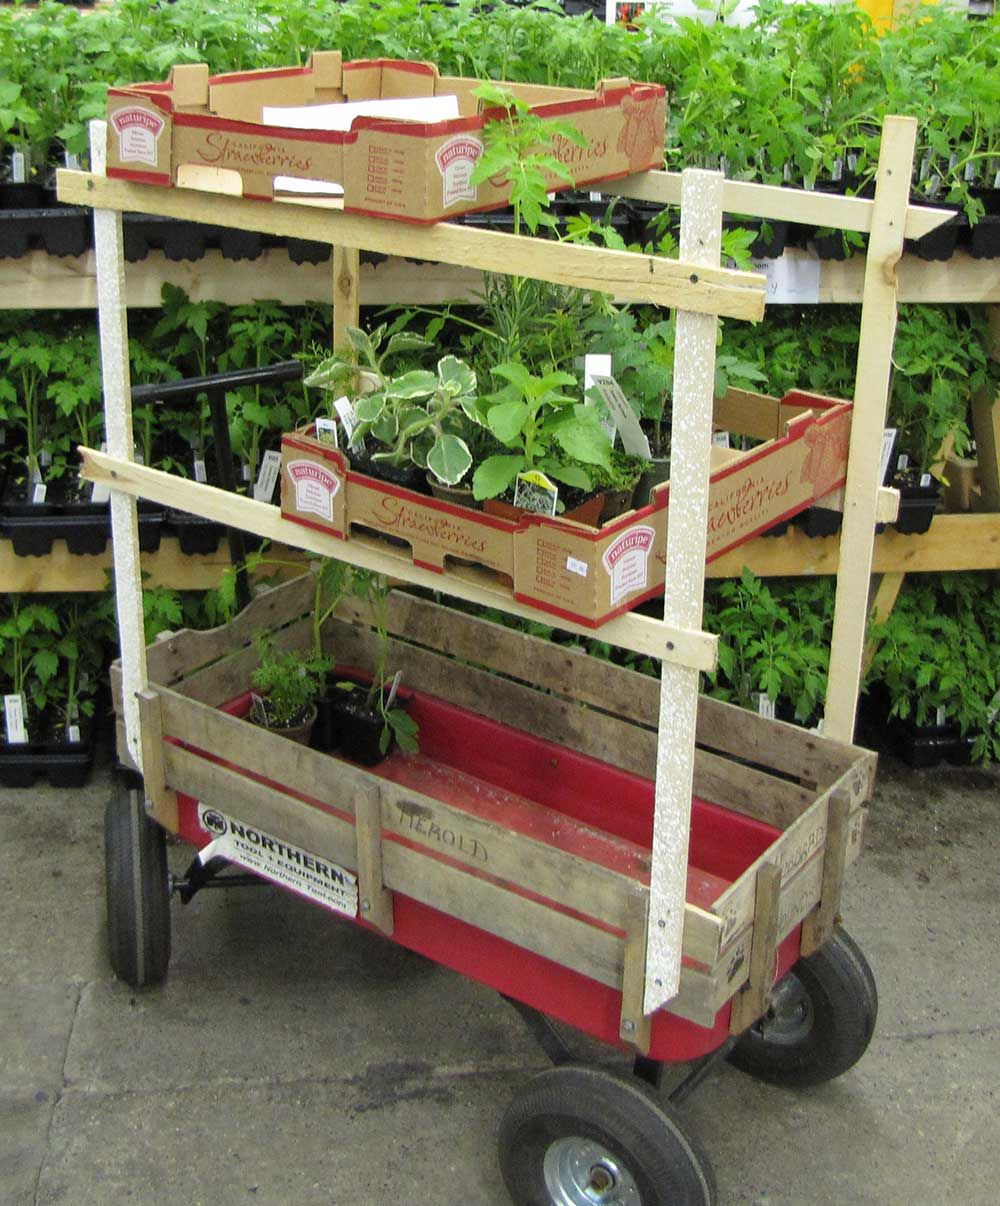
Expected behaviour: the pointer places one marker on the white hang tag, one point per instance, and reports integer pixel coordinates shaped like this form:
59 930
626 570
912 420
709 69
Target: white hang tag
270 467
791 279
326 432
18 168
200 474
13 711
38 493
100 491
534 492
73 734
720 439
598 363
765 706
888 443
633 438
397 678
348 416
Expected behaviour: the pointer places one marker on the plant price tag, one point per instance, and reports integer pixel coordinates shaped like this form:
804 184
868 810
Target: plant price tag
73 734
13 711
765 706
791 279
326 432
595 363
17 168
397 678
100 492
348 416
200 473
38 493
633 438
888 443
534 492
267 478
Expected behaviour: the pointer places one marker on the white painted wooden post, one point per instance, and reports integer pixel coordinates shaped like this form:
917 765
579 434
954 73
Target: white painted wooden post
112 316
690 454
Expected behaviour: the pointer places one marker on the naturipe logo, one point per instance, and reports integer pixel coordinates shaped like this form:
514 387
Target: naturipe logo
315 488
455 160
627 561
138 130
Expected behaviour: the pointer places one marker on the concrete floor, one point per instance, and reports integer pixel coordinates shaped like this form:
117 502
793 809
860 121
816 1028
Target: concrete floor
290 1058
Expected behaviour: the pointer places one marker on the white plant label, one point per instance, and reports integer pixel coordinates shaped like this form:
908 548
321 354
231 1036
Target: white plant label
534 492
397 678
100 492
289 866
17 167
200 473
791 279
888 443
925 481
267 478
720 439
348 416
326 432
903 461
245 471
38 493
595 363
13 711
765 706
942 717
633 438
45 458
73 734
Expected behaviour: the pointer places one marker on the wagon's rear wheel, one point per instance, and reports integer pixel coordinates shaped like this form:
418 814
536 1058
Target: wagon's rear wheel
581 1136
137 889
820 1022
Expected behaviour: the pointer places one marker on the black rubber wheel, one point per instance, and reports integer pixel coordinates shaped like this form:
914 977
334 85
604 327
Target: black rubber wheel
820 1022
137 890
579 1136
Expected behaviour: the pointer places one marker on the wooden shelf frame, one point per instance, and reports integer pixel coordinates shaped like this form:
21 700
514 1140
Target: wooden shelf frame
696 287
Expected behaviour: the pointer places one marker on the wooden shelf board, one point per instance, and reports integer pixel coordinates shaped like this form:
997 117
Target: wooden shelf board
38 281
954 543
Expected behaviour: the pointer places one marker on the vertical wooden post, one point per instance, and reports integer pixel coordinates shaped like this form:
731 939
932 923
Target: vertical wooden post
374 898
818 926
687 535
161 802
346 293
112 316
871 395
751 1001
634 1027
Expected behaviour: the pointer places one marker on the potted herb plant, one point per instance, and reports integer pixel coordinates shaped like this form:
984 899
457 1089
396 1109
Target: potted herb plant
367 717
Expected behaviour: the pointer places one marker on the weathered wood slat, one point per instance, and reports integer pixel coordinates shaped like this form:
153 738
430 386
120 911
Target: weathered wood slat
752 999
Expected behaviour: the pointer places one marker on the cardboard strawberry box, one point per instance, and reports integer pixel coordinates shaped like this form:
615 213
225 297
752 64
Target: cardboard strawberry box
393 138
584 574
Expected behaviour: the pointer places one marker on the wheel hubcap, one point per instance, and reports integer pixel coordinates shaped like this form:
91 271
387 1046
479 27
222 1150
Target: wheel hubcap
789 1020
582 1172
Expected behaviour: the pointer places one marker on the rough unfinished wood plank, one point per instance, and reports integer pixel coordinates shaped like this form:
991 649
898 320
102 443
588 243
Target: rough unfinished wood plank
635 1027
695 287
163 801
819 925
752 999
374 898
871 394
346 294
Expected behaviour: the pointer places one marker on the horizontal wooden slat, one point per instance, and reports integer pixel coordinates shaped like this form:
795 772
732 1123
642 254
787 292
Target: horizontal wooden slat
653 279
170 659
640 633
773 201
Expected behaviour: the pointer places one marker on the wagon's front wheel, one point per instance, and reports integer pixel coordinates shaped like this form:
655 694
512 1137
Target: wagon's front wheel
580 1136
137 889
820 1021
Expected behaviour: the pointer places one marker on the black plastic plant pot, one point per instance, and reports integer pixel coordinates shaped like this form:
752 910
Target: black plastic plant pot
924 746
819 521
177 239
770 245
240 244
306 251
832 246
67 230
940 244
195 535
916 510
14 195
63 763
984 238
